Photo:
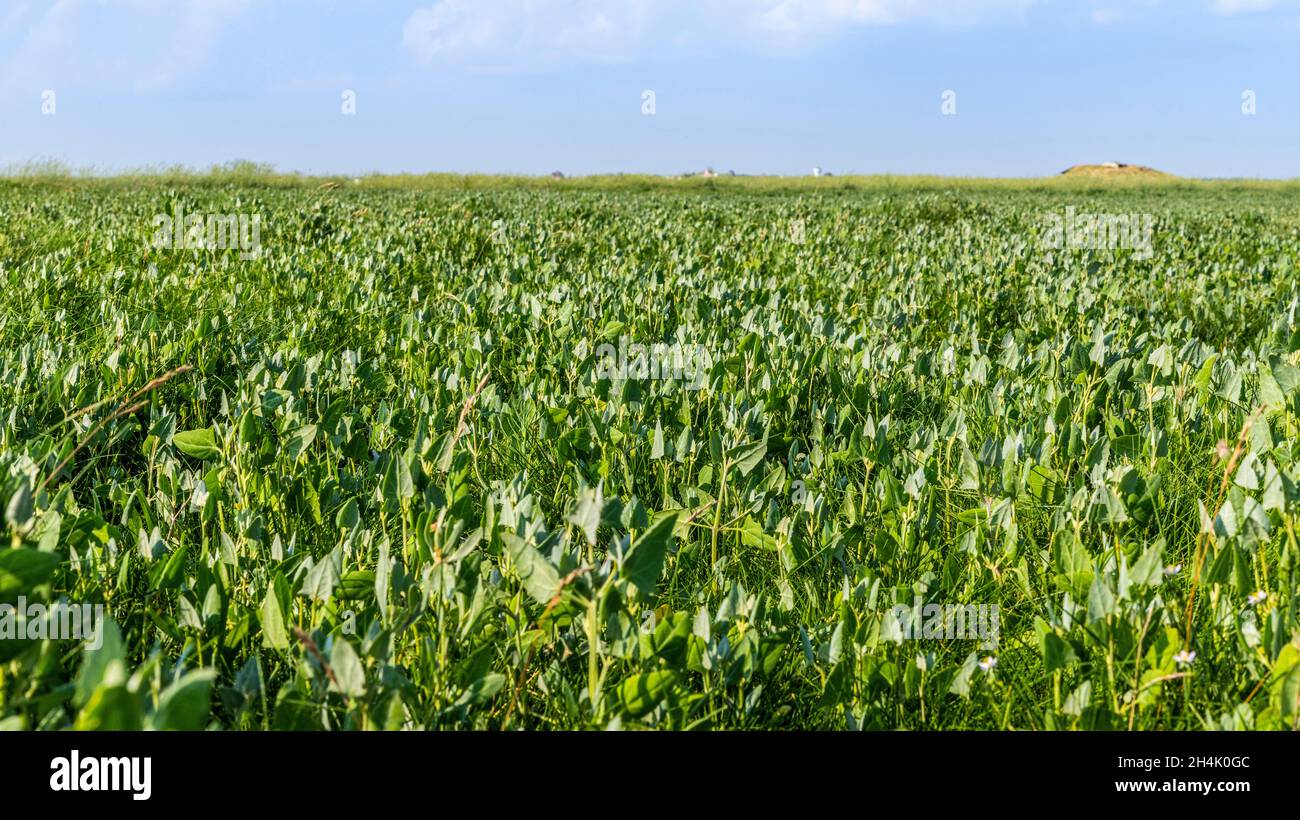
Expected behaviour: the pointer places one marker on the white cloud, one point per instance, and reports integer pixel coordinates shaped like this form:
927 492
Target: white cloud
13 17
1230 7
815 15
195 33
533 32
153 44
508 29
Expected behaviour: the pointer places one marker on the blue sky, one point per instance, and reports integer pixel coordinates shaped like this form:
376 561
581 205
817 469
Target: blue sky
756 86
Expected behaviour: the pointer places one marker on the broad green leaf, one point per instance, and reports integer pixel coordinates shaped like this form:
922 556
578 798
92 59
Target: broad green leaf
185 704
586 517
18 512
22 570
539 576
1101 600
657 442
94 662
349 675
644 562
111 706
481 690
300 441
274 635
747 456
201 443
322 578
962 680
640 693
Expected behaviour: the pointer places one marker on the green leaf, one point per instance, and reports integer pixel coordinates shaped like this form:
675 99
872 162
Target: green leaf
1057 654
397 483
752 535
645 560
19 510
1277 488
540 578
274 635
94 662
1072 562
1101 600
23 569
201 443
357 585
1148 571
640 693
586 517
1205 376
1285 684
1220 571
1044 485
481 690
1285 374
349 675
322 578
185 705
1078 700
348 515
170 574
970 470
1270 395
747 456
383 569
961 681
657 443
300 440
111 707
1247 477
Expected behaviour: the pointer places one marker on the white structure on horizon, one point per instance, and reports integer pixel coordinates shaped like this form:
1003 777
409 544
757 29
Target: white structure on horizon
817 172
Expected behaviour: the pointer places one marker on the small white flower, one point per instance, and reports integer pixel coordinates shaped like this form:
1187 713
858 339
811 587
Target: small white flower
1257 598
1173 569
1184 658
988 663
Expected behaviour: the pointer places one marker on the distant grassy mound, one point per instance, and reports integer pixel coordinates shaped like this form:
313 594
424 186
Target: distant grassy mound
1109 170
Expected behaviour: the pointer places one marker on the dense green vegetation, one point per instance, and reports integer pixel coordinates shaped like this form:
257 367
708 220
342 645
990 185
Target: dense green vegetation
371 479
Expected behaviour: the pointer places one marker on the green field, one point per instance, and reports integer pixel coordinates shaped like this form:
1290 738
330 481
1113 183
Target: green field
379 470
